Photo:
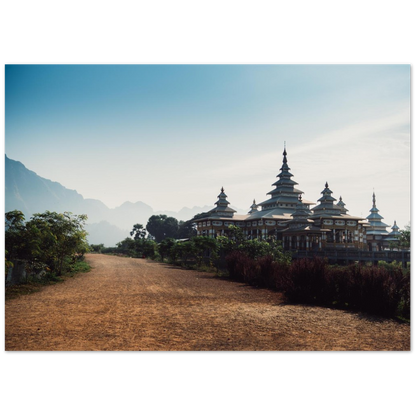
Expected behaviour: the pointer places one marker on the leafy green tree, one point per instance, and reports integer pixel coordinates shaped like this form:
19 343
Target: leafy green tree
205 246
59 236
405 237
236 234
144 248
165 247
236 241
15 233
48 239
138 232
162 226
127 247
148 248
186 229
96 248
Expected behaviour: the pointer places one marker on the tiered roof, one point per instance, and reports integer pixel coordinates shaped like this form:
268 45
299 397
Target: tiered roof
301 222
253 208
222 209
395 234
326 204
341 204
376 225
328 209
284 197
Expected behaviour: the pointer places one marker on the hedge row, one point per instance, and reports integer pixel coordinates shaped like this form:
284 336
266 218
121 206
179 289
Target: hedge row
378 290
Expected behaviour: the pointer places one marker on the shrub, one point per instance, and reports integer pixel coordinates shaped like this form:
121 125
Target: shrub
272 273
242 268
381 291
307 281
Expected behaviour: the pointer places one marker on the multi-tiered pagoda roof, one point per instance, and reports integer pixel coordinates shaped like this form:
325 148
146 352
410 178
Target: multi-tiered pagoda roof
222 209
376 226
284 198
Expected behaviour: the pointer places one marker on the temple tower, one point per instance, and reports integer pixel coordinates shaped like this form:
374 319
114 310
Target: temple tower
376 231
326 204
341 204
222 209
284 197
253 208
394 235
340 230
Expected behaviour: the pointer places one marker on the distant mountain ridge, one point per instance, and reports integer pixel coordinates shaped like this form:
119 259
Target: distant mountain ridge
28 192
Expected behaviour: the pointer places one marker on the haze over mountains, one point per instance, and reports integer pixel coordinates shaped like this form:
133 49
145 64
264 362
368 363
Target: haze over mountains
27 192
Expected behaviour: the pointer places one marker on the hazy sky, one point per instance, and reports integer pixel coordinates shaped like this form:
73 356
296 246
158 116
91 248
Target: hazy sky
171 136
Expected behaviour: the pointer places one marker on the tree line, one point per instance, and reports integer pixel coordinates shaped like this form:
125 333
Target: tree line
144 241
49 245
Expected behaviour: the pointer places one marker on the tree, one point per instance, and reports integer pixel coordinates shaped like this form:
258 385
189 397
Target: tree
47 240
205 246
162 226
186 229
404 238
127 246
15 241
165 247
138 232
96 248
59 236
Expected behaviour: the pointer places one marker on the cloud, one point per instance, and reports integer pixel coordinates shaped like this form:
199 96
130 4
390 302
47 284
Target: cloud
354 159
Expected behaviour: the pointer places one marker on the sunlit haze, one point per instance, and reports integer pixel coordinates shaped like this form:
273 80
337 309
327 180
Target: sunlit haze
173 135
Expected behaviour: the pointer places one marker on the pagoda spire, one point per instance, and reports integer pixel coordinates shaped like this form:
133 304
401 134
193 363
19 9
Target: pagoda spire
284 154
284 196
326 204
341 204
376 225
222 209
253 207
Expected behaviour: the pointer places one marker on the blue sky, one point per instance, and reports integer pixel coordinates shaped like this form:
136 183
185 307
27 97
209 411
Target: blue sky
172 135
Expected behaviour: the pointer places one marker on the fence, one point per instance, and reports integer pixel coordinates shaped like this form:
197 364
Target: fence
356 255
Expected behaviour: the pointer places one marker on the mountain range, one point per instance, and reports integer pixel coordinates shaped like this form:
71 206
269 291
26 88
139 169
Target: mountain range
27 192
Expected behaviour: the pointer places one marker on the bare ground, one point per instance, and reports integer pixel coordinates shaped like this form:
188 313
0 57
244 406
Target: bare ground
133 304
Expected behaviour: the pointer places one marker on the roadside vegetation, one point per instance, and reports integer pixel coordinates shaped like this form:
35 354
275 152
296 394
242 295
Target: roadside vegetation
382 290
50 247
44 250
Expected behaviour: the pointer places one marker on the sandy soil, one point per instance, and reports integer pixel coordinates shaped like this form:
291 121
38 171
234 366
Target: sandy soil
134 304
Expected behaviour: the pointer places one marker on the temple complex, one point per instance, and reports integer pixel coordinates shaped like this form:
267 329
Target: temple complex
287 217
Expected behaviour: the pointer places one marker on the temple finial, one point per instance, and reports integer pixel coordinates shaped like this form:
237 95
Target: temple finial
374 198
222 189
284 154
326 184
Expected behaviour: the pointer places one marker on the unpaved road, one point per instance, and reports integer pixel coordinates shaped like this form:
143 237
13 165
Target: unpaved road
134 304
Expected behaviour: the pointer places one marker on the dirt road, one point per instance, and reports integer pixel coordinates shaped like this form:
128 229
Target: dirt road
134 304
